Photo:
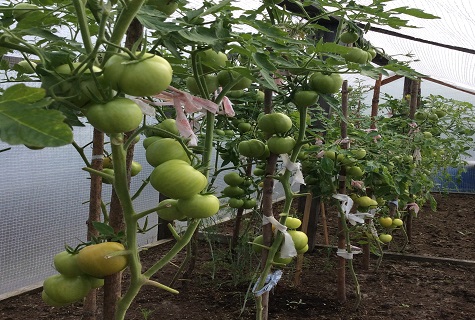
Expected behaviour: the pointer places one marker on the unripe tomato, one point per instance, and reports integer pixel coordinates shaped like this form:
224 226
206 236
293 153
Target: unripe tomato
146 76
358 153
385 222
385 238
226 76
323 83
212 60
349 37
365 201
259 240
293 223
64 290
135 168
300 239
252 148
116 116
177 179
356 55
305 98
167 210
274 123
303 250
26 67
355 172
210 80
168 125
281 145
232 192
199 206
165 6
46 299
94 260
66 264
249 203
148 141
397 222
163 150
22 10
235 203
244 127
279 259
233 179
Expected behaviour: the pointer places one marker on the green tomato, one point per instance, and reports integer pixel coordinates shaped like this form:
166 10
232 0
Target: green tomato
210 80
235 94
26 67
146 76
274 123
249 203
116 116
280 260
281 145
135 168
177 179
168 7
356 55
355 172
323 83
148 141
252 148
167 210
305 98
349 37
199 206
163 150
22 10
397 222
358 153
293 223
226 76
385 238
235 203
233 191
300 239
66 264
233 179
64 290
385 222
95 261
257 242
212 60
244 127
365 202
46 299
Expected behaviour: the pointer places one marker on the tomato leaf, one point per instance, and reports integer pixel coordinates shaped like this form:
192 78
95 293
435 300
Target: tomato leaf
103 229
24 119
418 13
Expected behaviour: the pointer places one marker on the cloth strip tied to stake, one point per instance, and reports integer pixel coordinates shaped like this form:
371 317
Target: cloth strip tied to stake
293 167
288 248
271 282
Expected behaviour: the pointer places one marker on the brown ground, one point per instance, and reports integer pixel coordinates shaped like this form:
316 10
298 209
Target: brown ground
400 289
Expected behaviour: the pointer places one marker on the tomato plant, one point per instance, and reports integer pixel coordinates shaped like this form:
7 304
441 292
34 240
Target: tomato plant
165 6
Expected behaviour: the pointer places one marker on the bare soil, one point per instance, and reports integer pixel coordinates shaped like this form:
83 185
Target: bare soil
402 287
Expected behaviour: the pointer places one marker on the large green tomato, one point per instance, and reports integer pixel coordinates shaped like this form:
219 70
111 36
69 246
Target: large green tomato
135 168
349 37
300 239
233 179
323 83
233 192
177 179
66 264
165 6
212 60
167 210
95 261
116 116
168 125
199 206
62 290
252 148
146 76
281 145
305 98
226 76
165 149
273 123
210 80
357 55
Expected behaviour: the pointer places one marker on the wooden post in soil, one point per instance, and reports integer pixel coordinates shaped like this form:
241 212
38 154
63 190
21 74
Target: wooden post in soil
341 269
412 111
95 199
113 283
374 113
267 202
